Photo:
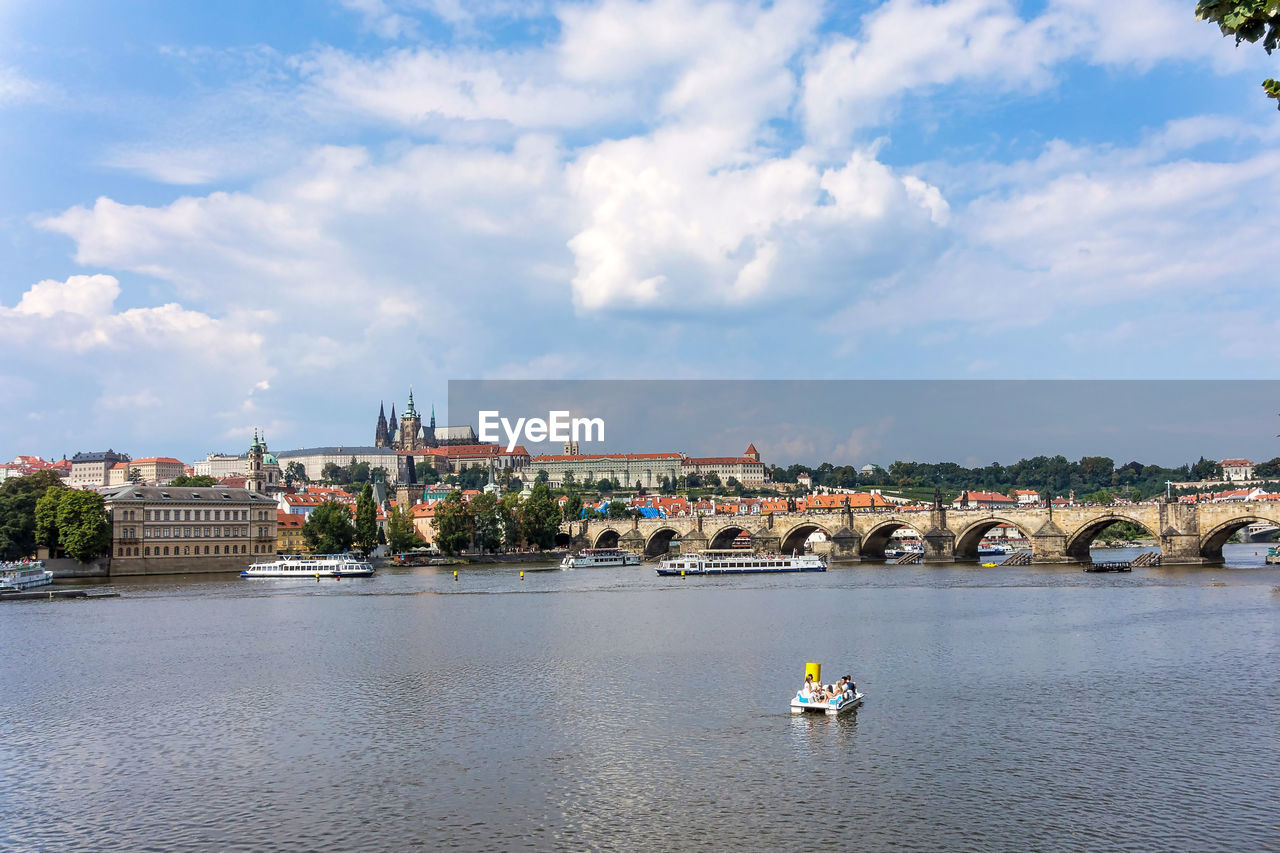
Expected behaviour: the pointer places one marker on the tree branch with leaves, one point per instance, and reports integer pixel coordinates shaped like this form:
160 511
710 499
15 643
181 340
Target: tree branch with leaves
1247 20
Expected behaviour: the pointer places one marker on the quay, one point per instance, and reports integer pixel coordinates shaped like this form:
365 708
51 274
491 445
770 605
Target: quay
49 593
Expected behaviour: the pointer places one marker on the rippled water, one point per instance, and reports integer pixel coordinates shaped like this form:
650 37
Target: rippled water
1008 709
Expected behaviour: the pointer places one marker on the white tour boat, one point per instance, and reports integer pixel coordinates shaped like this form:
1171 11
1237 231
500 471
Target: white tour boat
311 565
726 563
592 557
831 707
24 576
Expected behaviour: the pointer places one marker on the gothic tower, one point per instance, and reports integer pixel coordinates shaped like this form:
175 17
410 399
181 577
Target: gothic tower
380 434
410 426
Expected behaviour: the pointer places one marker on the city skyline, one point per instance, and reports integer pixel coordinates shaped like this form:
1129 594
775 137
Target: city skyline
214 218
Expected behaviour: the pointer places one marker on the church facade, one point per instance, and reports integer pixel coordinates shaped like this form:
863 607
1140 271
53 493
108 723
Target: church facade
409 433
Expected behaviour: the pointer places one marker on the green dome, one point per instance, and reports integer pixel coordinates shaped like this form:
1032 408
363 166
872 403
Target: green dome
268 459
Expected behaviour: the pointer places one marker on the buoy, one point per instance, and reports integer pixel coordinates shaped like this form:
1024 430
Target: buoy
455 574
814 669
522 576
682 573
317 577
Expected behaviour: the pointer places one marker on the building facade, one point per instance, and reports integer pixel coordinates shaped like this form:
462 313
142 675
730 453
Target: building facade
647 469
289 538
91 470
1236 470
313 460
452 458
746 469
184 530
219 465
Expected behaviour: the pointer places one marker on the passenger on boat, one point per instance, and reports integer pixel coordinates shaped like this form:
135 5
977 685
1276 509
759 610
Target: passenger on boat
807 692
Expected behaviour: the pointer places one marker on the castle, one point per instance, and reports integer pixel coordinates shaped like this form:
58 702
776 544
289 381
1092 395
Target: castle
409 433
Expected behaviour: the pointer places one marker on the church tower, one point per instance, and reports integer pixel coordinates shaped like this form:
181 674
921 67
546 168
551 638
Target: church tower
410 427
380 434
255 478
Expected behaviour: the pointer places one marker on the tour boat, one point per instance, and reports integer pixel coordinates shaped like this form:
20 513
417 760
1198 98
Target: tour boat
994 550
839 705
589 558
311 565
740 564
895 553
24 576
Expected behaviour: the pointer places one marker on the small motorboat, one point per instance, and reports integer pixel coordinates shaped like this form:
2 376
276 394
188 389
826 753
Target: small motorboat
832 707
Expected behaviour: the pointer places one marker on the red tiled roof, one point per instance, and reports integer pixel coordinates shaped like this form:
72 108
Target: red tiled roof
987 497
289 520
719 460
751 448
158 459
1236 463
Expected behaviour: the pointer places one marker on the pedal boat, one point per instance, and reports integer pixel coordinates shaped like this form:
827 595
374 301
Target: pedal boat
831 707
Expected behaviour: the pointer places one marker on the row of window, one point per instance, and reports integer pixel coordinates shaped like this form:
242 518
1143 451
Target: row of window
186 532
186 550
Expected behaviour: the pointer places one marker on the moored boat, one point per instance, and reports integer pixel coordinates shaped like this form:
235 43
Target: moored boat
589 558
310 565
14 576
740 564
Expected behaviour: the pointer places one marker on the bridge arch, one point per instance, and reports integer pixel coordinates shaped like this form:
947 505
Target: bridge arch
877 538
723 538
607 538
794 539
970 538
563 539
1212 541
659 541
1077 547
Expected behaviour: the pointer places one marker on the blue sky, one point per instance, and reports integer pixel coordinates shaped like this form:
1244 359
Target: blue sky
221 216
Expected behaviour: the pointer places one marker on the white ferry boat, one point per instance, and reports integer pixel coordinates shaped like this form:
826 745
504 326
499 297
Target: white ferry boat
311 565
24 576
592 557
740 564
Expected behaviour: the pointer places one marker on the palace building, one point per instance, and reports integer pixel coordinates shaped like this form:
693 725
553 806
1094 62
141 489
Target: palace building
409 434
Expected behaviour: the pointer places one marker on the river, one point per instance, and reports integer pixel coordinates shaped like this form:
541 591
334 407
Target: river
1008 709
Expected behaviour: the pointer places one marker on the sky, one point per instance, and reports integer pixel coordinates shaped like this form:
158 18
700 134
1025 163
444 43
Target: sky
216 217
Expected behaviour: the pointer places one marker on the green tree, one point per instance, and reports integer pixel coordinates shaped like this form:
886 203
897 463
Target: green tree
713 480
453 523
540 518
569 483
295 472
1102 496
1247 20
618 509
47 517
18 498
542 477
605 486
486 522
366 534
509 515
135 476
328 529
333 473
193 480
401 536
572 508
83 529
358 472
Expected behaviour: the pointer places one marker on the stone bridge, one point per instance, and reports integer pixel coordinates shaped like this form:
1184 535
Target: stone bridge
1186 533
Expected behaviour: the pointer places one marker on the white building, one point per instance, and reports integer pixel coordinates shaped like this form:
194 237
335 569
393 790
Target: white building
219 465
1234 470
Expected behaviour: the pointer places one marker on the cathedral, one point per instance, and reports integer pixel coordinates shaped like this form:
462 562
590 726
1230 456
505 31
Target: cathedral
409 433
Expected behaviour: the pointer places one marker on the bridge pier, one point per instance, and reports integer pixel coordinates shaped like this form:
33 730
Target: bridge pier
938 541
846 546
1180 536
1049 544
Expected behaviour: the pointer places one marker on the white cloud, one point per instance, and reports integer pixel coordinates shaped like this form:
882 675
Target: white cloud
15 87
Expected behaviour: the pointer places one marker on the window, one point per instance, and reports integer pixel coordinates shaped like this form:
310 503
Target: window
164 531
146 552
186 550
206 549
166 550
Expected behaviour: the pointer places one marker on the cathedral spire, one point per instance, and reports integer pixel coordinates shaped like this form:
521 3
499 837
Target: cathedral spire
433 415
411 412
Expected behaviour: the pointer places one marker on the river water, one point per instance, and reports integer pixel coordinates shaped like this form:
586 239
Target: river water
1018 709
